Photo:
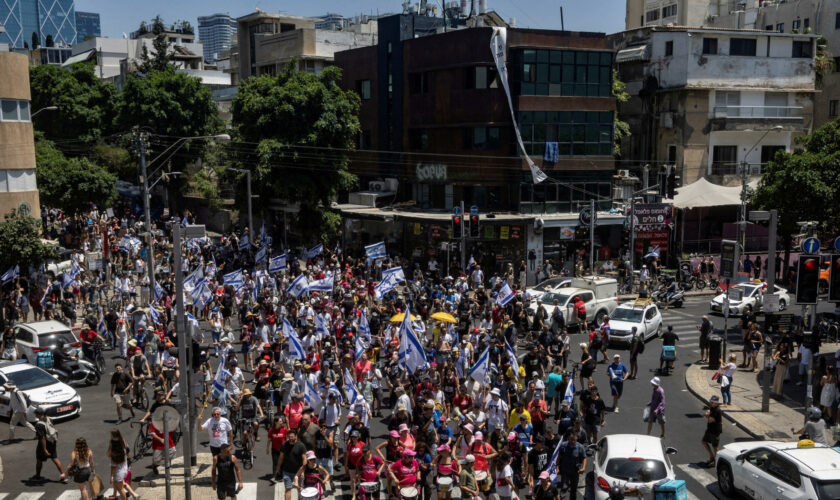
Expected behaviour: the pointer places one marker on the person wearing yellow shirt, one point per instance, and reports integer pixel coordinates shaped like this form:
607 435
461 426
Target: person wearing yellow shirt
519 413
520 379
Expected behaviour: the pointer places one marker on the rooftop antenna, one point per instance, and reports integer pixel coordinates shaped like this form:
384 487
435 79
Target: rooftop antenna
562 24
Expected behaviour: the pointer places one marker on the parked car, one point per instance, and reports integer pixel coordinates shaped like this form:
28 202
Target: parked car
58 400
641 313
549 285
773 469
618 458
599 294
745 295
32 338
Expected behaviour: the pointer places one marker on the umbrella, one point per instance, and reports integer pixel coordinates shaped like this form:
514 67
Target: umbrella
442 316
399 317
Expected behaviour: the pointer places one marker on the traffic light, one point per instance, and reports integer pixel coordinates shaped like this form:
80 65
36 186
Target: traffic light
625 238
729 257
671 190
807 279
475 229
834 279
457 226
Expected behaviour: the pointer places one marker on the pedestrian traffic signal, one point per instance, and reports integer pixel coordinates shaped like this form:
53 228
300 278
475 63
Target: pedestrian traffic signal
807 279
729 258
834 279
475 229
457 226
625 238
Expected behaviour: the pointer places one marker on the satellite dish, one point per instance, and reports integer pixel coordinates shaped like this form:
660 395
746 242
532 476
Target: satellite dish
173 418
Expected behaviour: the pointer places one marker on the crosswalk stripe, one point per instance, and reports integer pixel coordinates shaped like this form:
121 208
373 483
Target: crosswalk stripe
249 492
3 495
70 495
703 477
278 491
33 495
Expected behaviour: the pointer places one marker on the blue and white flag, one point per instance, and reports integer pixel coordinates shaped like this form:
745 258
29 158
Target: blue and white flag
480 372
191 320
654 253
298 286
66 279
313 399
11 274
262 254
376 251
514 364
295 348
570 391
505 295
194 278
315 251
101 328
350 385
277 263
412 357
184 221
160 293
321 331
263 236
234 278
361 346
470 264
155 315
221 374
390 279
322 285
46 294
128 244
245 242
364 327
551 467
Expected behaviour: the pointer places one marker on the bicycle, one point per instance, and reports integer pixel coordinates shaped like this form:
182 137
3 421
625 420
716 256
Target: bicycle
246 440
98 358
142 443
141 397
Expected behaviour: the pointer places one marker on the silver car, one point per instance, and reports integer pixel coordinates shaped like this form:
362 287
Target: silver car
32 338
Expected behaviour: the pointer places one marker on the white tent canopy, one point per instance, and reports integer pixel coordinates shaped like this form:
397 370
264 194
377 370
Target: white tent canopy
703 193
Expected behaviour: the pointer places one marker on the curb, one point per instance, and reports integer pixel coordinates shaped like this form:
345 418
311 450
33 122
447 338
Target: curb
726 415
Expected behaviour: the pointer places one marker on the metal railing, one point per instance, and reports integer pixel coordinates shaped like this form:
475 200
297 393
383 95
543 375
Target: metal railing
758 111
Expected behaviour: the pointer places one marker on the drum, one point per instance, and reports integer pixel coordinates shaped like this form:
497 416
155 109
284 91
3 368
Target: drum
408 493
309 494
444 484
482 479
370 488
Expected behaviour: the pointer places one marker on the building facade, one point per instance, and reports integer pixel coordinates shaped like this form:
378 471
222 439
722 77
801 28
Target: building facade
216 33
254 27
25 19
18 187
110 54
87 25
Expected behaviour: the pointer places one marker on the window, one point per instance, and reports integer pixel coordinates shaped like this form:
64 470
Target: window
724 160
652 15
669 11
802 49
775 105
577 133
796 24
418 139
769 152
418 83
780 27
484 138
669 48
710 46
837 21
565 73
769 27
727 98
307 65
783 470
14 110
806 24
485 77
832 107
364 89
672 154
742 47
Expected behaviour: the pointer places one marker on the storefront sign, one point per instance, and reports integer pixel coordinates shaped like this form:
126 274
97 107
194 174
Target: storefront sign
515 232
644 249
489 232
417 229
567 233
653 216
431 172
504 233
652 235
435 231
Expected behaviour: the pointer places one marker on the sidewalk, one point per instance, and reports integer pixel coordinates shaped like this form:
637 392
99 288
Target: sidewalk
745 410
151 486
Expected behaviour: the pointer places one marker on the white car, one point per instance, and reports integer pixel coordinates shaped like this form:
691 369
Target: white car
619 458
549 285
745 295
773 469
59 400
643 314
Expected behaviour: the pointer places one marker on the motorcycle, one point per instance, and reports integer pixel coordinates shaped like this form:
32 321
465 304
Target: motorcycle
675 300
75 369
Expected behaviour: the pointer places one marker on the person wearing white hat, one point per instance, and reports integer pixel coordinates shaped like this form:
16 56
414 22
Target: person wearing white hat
656 412
496 409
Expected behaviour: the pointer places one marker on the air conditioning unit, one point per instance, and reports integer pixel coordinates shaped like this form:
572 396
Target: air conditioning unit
618 193
623 173
376 186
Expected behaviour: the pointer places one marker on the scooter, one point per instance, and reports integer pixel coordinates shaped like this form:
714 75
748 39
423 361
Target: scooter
75 370
675 300
669 355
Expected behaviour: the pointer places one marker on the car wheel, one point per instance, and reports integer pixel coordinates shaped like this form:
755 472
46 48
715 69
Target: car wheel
600 316
724 474
782 304
659 330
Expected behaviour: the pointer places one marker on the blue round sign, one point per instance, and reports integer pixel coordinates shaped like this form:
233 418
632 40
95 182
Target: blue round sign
811 245
837 244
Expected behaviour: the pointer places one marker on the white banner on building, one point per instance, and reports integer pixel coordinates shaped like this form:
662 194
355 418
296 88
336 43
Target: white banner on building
498 46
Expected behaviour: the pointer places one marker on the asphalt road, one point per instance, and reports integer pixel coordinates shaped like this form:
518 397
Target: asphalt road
684 429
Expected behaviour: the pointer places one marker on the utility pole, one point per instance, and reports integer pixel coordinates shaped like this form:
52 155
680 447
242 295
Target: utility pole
142 137
463 240
630 268
250 212
592 237
742 224
183 361
771 284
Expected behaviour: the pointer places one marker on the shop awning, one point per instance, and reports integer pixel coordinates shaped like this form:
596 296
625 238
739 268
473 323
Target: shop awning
637 53
703 193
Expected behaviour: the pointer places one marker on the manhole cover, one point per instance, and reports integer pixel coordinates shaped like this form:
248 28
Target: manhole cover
777 435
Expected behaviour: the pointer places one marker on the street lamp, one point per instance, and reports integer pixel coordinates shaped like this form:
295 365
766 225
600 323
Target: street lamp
48 108
250 213
742 222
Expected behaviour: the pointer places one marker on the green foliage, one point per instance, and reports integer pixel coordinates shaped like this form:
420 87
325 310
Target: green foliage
117 160
305 125
20 243
85 103
823 62
621 129
71 184
49 41
36 42
161 59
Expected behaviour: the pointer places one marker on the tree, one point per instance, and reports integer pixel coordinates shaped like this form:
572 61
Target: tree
85 103
802 185
621 128
305 125
162 57
20 243
49 41
71 184
36 40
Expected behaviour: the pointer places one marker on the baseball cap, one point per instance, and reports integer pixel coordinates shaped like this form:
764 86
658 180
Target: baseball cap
310 455
511 436
394 434
468 460
544 474
479 436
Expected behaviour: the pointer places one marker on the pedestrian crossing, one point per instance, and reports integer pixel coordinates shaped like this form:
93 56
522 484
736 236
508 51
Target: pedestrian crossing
704 477
70 494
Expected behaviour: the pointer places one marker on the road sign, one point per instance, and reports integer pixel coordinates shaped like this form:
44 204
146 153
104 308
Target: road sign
729 259
474 210
770 303
456 210
837 243
811 245
585 216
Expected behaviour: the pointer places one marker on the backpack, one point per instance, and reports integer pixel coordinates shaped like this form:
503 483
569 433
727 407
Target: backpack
641 348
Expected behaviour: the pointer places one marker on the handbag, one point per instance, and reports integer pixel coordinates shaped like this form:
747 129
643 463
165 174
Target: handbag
716 377
96 485
646 414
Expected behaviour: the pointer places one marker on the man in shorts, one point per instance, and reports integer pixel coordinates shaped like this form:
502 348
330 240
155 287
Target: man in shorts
121 391
656 412
618 374
158 457
292 457
714 428
225 474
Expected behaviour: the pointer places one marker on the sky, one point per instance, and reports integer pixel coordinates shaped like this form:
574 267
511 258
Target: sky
124 16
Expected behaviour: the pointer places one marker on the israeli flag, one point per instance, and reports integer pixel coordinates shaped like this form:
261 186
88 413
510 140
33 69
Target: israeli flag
654 253
551 467
234 278
245 242
470 264
263 236
191 320
66 279
350 385
221 374
46 294
313 399
320 328
184 222
102 329
390 279
277 264
193 280
505 295
323 285
197 292
262 254
295 348
315 251
155 315
570 390
11 274
298 286
480 372
412 357
376 251
125 244
361 346
514 364
159 292
364 327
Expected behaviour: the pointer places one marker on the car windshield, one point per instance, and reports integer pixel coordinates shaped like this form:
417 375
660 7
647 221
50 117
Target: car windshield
31 378
627 469
545 285
56 339
627 314
549 298
827 490
748 290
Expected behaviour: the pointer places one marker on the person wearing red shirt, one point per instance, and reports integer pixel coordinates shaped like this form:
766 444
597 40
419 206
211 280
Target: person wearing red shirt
158 458
498 315
404 472
88 336
276 438
362 367
294 411
463 401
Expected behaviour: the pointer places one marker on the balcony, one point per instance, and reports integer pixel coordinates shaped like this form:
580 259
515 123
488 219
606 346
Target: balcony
758 112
